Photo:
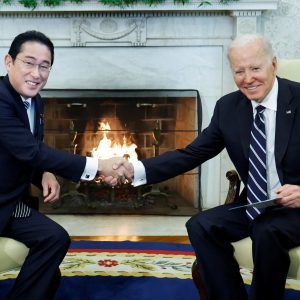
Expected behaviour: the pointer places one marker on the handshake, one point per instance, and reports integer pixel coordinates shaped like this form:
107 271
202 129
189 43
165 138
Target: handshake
115 170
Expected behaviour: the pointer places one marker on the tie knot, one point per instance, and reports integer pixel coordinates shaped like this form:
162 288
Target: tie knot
26 104
260 109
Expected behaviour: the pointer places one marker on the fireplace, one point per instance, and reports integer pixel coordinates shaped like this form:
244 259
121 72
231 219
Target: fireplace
135 123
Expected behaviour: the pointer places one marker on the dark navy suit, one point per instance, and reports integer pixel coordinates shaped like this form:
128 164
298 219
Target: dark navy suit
211 231
23 159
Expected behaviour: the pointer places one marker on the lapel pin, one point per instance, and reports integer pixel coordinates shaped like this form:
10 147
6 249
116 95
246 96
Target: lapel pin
288 112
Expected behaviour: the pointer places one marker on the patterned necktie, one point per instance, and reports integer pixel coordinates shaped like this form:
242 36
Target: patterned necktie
22 210
257 177
26 104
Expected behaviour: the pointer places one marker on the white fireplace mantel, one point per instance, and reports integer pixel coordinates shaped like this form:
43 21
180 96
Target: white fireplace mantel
167 46
167 6
90 22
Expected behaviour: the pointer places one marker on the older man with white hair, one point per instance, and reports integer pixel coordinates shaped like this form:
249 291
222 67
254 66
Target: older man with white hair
259 127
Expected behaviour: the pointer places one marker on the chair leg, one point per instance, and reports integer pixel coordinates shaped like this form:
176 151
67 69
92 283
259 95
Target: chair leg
198 281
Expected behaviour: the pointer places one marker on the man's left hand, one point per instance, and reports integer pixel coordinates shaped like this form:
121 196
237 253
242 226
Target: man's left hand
51 188
289 195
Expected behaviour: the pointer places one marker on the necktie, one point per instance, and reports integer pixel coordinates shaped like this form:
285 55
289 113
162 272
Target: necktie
257 177
21 209
26 104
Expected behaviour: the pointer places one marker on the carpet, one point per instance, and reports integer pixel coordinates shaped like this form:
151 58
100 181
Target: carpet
94 270
103 270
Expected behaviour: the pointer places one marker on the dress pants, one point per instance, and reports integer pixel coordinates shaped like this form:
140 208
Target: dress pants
273 233
48 242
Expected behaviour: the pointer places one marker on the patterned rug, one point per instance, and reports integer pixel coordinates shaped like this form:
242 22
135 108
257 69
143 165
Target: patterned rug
94 270
123 271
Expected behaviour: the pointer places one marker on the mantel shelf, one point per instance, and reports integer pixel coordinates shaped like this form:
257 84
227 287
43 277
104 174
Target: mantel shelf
94 6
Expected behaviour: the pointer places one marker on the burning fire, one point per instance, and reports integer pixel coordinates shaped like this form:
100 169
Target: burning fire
108 148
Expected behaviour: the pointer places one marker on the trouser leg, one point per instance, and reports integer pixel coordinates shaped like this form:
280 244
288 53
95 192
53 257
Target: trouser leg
211 233
48 243
273 234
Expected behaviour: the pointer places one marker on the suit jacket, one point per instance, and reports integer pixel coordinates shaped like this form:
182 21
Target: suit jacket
230 128
23 155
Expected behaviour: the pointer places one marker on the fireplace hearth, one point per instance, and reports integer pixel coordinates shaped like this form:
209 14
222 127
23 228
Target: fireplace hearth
136 124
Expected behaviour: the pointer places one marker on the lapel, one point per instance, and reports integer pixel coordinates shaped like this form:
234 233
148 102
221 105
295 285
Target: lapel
39 110
39 118
21 110
284 120
245 120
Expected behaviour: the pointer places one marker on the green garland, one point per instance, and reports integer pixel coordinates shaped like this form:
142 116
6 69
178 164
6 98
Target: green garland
121 3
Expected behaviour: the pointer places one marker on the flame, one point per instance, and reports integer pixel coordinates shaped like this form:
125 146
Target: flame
108 148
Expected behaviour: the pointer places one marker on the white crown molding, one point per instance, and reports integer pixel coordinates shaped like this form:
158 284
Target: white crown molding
94 6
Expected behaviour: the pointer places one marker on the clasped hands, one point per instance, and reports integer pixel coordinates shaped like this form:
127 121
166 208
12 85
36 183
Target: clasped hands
115 170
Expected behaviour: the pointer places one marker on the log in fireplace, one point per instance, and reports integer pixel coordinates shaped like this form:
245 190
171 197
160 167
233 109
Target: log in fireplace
133 123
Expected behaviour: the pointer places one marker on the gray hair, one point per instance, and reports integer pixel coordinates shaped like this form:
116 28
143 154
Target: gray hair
243 40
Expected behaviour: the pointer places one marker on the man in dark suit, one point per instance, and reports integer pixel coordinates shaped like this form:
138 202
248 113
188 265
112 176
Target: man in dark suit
264 111
25 159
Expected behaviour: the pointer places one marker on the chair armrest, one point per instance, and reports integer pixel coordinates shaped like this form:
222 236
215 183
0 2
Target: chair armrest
234 186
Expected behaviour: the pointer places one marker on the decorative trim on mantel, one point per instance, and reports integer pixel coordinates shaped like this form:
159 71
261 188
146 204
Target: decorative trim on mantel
78 14
168 6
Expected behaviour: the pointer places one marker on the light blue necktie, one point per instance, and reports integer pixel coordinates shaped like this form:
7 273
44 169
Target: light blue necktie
257 176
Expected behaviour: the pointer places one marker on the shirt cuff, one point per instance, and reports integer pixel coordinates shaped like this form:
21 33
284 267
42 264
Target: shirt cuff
139 173
91 168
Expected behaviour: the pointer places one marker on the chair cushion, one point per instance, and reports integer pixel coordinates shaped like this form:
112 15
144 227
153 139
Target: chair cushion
12 254
243 254
289 69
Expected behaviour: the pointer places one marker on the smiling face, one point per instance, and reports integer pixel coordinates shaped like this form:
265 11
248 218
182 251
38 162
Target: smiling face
25 72
253 70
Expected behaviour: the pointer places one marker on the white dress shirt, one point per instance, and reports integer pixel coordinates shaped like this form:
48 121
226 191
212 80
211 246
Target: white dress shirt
139 173
30 113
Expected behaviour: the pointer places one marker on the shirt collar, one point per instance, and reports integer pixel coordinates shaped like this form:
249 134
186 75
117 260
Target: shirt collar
26 99
270 101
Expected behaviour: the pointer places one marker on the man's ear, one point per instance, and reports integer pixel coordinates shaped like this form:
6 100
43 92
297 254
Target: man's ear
8 61
274 63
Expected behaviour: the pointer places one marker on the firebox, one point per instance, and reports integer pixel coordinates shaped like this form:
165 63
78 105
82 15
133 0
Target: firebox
135 124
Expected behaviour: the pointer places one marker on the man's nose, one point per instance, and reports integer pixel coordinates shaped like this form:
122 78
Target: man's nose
248 76
36 71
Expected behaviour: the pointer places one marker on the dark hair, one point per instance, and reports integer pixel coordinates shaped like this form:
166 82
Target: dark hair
30 36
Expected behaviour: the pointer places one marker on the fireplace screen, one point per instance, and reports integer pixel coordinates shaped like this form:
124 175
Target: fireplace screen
135 125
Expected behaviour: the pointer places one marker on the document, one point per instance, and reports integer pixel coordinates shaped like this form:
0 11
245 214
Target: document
261 204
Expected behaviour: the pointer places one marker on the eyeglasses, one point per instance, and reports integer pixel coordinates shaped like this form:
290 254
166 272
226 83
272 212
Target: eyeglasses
43 67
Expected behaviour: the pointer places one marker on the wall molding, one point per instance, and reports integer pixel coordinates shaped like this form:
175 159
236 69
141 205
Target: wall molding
94 6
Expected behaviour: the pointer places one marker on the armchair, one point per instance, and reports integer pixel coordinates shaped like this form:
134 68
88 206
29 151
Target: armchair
12 254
